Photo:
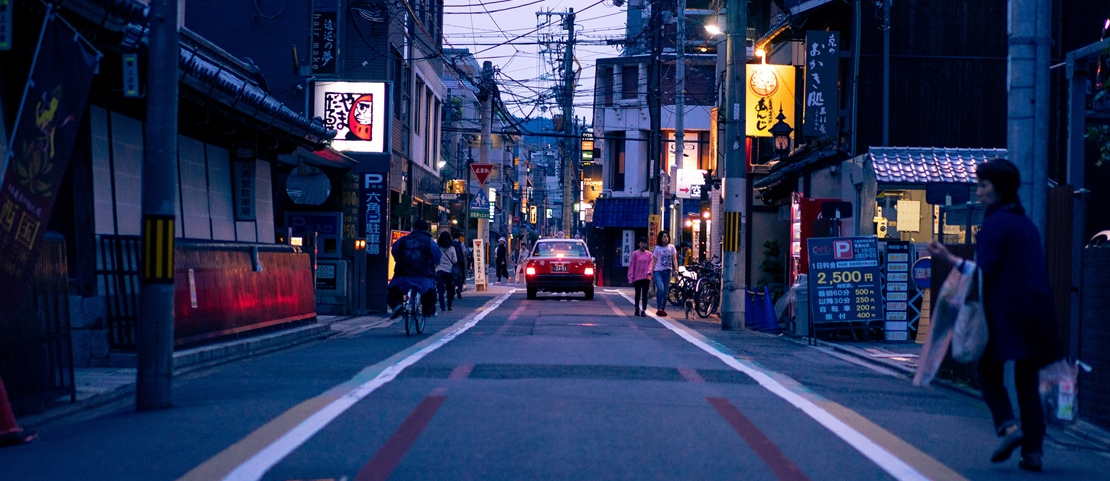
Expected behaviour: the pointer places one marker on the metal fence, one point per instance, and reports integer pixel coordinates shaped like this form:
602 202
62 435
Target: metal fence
117 278
36 352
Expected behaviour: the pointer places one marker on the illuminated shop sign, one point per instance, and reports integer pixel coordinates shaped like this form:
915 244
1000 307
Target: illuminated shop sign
356 111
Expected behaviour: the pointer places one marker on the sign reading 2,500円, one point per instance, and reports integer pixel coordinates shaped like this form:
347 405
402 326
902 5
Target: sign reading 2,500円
844 284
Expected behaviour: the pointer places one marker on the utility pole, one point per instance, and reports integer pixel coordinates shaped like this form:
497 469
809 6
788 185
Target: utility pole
1030 38
679 109
154 382
734 146
655 135
484 146
568 124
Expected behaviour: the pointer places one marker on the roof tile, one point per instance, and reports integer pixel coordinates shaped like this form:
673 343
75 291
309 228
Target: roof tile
920 165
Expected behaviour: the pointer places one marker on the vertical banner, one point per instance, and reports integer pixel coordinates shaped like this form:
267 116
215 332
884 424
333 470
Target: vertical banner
653 230
324 45
43 136
243 179
822 74
770 88
591 181
375 214
628 244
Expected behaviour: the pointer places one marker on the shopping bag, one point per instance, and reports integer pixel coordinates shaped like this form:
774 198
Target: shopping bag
953 293
969 339
1059 388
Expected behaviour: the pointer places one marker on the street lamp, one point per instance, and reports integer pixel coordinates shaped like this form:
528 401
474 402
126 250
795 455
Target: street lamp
781 134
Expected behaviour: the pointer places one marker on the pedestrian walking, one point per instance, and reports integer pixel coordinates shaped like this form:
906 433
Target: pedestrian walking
1019 309
666 262
460 276
639 275
445 271
521 259
501 257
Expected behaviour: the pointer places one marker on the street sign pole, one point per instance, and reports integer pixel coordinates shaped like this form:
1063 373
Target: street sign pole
483 157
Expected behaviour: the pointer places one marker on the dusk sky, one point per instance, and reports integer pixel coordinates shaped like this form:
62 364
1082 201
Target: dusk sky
505 33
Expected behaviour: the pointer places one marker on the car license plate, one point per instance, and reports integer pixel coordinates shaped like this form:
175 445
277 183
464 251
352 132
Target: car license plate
558 267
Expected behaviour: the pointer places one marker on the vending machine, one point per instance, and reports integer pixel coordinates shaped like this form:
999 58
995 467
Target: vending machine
803 218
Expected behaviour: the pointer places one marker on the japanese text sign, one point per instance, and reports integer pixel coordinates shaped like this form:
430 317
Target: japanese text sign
769 88
844 284
822 103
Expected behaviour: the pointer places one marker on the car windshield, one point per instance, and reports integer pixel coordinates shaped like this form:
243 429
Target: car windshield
559 249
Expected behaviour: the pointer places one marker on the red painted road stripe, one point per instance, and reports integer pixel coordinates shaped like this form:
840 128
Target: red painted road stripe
612 306
516 313
509 322
782 466
395 448
462 371
691 375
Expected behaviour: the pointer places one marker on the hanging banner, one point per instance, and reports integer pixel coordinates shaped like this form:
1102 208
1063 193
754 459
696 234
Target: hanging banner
38 155
769 89
822 73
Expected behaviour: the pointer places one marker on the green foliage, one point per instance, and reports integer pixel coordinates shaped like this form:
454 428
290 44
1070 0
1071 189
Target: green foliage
1099 135
772 269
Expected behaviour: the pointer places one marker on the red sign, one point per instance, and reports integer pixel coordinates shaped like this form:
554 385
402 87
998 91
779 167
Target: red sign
482 171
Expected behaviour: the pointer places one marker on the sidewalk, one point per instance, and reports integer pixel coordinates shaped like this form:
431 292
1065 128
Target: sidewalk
901 358
102 389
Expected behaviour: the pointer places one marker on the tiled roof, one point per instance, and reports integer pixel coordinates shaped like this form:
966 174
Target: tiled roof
921 165
621 212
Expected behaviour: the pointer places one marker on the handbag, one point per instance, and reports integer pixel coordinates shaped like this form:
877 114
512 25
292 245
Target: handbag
456 273
971 333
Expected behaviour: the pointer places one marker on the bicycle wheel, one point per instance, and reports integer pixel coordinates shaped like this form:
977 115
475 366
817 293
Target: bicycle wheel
418 313
410 315
706 297
675 294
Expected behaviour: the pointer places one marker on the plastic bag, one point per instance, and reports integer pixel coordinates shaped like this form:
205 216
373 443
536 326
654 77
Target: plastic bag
971 334
942 324
1058 388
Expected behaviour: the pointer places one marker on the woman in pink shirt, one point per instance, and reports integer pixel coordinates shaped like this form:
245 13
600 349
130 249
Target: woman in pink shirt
639 274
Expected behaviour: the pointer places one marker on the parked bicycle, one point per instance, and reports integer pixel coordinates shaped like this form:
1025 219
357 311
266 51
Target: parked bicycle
707 290
682 287
412 314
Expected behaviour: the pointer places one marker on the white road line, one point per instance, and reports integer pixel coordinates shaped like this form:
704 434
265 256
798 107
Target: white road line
257 466
881 457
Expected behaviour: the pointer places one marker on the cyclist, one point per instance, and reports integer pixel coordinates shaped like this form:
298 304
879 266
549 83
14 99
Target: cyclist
415 257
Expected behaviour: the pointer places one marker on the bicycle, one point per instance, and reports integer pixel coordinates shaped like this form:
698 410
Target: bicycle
682 287
707 291
411 311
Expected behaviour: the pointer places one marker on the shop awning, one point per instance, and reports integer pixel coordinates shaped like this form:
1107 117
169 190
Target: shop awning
620 212
792 168
924 165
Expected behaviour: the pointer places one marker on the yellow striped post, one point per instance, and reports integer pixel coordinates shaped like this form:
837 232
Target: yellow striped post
157 261
731 232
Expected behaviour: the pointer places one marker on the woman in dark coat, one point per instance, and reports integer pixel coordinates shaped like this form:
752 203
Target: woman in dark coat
1019 311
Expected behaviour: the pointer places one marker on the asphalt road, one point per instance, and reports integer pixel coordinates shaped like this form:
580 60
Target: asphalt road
555 388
